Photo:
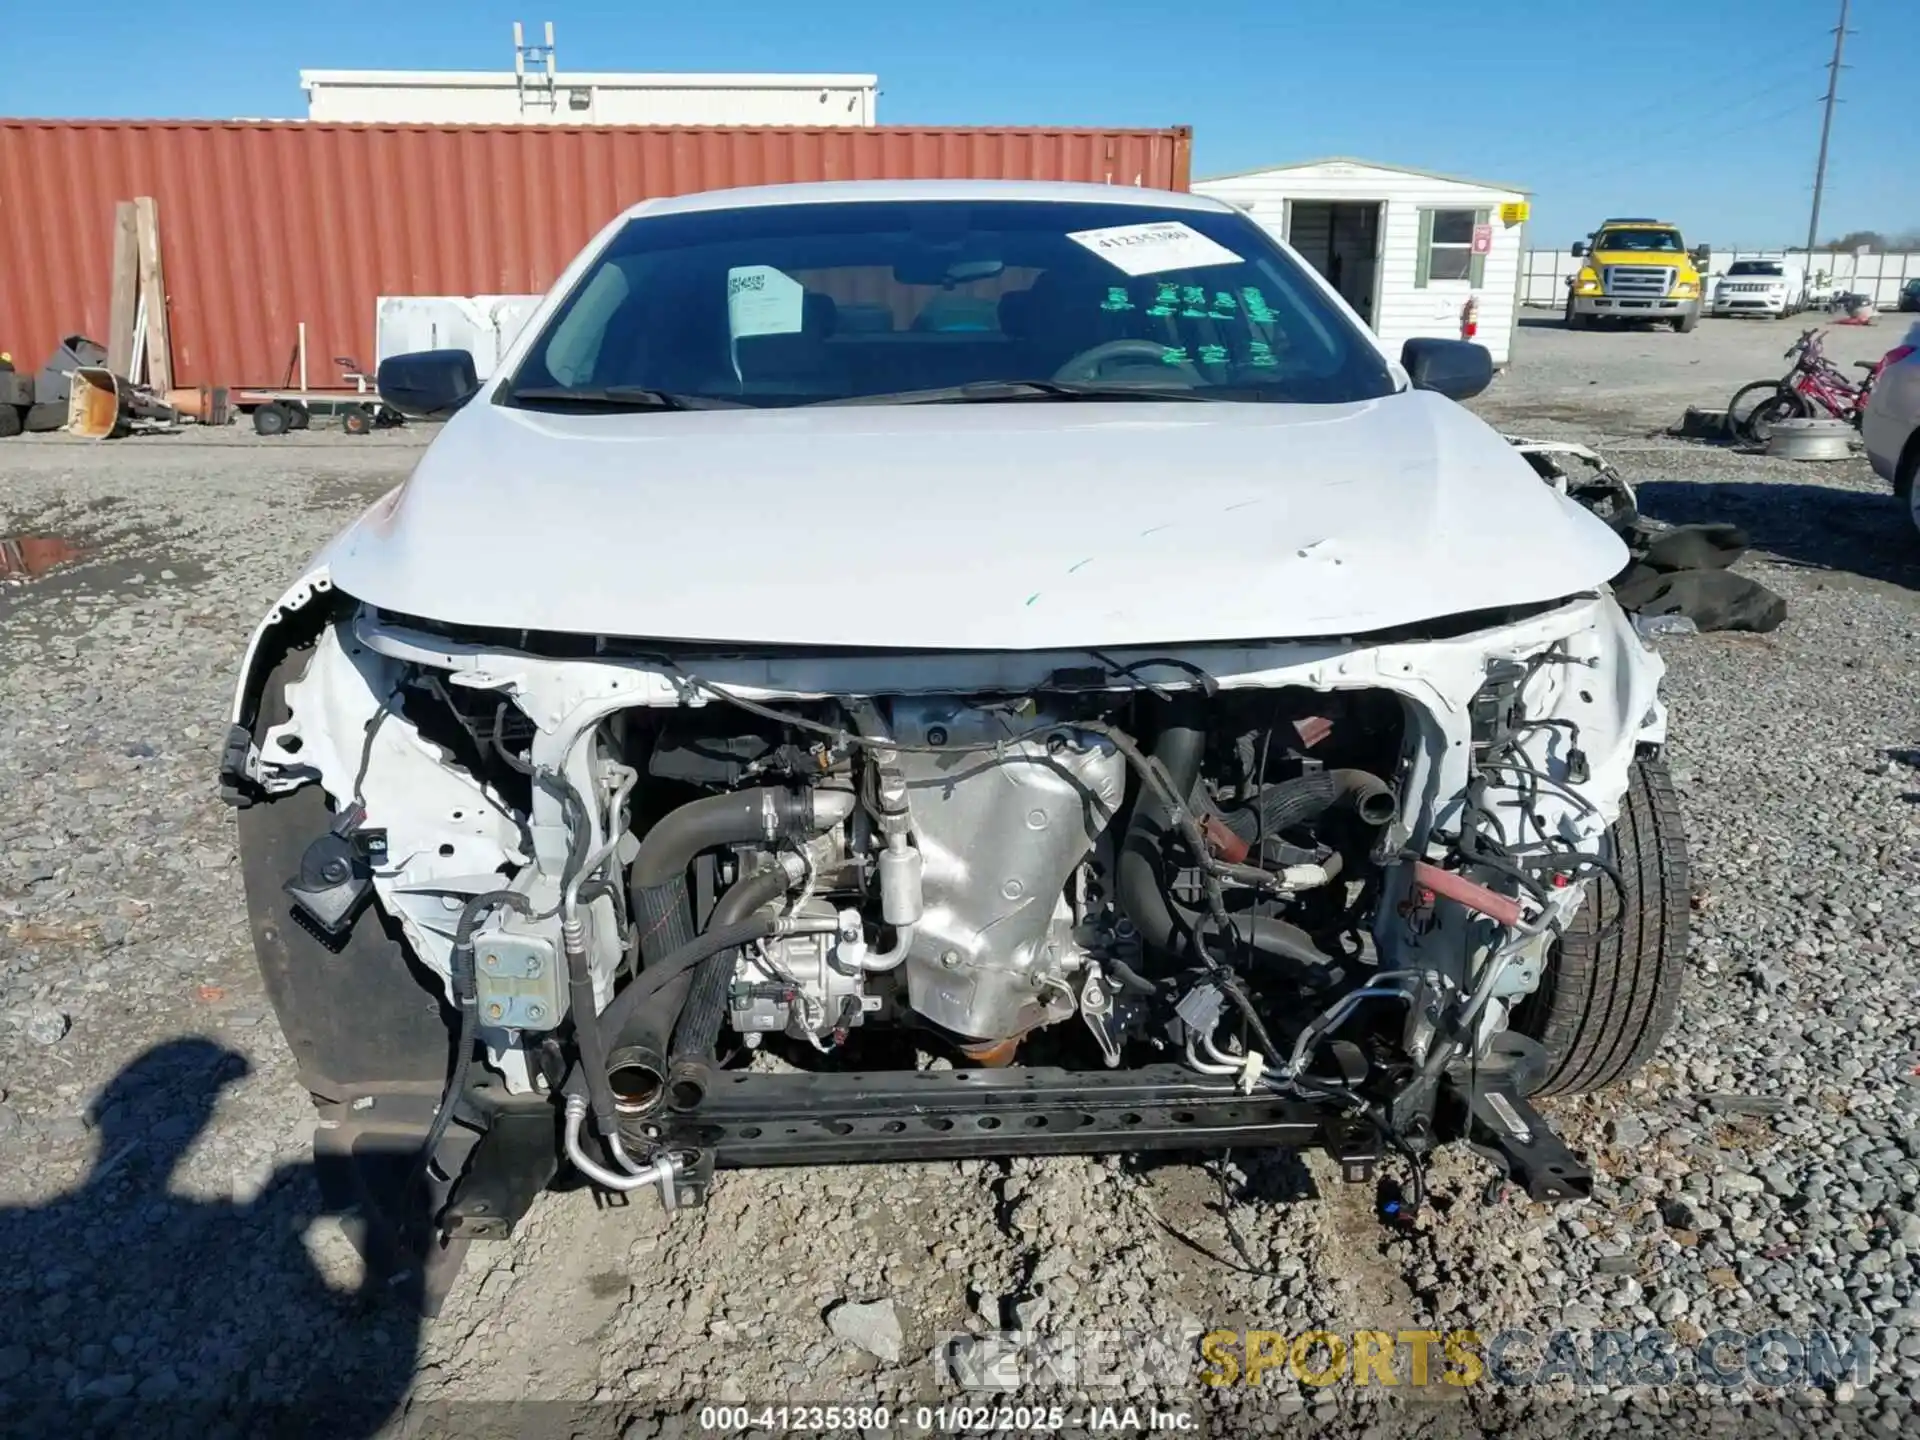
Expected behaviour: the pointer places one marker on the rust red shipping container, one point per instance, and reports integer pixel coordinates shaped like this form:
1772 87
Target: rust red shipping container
264 225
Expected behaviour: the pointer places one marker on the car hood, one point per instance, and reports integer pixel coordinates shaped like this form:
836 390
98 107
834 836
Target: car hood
1667 259
1030 525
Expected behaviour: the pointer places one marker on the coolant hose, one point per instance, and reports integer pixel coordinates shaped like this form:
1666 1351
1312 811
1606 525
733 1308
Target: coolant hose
697 1034
1280 807
1141 884
658 877
657 881
663 914
624 1016
1371 798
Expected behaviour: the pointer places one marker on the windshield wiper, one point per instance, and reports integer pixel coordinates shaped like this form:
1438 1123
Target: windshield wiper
616 397
988 392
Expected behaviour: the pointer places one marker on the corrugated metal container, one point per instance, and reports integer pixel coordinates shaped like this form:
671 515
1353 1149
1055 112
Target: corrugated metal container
266 225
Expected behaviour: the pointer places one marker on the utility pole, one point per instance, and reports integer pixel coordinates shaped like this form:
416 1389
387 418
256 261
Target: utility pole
1826 127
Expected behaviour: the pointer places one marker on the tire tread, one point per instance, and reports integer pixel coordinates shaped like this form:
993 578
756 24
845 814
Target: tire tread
1612 988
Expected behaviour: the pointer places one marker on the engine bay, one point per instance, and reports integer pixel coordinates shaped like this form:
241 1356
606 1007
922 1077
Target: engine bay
1325 872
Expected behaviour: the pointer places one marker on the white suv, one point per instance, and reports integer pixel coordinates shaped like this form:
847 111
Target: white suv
1760 287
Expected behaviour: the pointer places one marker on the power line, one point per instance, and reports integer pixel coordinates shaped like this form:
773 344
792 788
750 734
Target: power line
1674 120
1694 137
1826 126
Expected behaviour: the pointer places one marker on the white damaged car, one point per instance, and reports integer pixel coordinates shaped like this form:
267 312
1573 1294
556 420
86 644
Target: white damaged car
888 672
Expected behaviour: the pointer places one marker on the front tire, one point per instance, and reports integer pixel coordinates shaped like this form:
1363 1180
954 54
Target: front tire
1787 405
1684 325
1613 981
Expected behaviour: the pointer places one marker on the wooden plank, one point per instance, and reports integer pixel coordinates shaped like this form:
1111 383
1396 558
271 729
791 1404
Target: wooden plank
153 289
126 288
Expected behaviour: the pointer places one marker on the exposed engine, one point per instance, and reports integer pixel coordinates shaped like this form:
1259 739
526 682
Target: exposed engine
1329 870
996 874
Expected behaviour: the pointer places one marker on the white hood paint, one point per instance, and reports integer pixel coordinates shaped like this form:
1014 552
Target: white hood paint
1019 526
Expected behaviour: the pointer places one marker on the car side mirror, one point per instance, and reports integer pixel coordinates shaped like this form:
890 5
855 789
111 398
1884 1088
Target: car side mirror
1578 249
428 384
1700 254
1458 369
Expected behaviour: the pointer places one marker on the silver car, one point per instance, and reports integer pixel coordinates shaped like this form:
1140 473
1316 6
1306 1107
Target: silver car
1891 422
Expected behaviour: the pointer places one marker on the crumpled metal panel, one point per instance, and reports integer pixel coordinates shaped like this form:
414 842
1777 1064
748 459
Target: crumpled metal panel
264 225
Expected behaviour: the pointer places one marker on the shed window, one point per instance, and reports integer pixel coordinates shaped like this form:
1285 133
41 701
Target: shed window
1446 246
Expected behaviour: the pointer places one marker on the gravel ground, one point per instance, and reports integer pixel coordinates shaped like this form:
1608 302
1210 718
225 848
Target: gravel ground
1628 380
161 1246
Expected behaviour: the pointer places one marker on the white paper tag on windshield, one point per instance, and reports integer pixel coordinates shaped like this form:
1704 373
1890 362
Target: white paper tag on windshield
764 301
1154 247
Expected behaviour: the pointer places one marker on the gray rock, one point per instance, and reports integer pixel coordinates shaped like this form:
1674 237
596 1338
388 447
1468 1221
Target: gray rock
1626 1132
1746 1104
46 1025
871 1325
1029 1313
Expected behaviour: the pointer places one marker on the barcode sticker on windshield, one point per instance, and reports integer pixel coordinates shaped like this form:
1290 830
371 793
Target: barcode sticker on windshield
1152 248
763 301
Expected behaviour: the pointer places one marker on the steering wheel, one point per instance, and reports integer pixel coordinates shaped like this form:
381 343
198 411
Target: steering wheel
1087 364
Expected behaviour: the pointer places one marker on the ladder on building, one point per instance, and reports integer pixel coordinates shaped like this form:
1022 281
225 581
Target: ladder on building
533 71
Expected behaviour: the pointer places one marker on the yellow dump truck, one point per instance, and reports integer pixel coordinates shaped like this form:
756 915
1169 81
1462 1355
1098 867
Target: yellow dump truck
1636 269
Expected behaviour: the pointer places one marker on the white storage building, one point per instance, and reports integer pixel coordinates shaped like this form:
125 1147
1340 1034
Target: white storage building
1407 248
537 97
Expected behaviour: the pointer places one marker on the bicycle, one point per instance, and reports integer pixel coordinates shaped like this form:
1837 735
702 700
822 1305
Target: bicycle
1814 382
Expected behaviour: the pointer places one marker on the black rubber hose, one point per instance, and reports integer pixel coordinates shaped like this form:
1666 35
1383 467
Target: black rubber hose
697 1034
1140 884
464 982
1278 807
1368 794
625 1020
657 881
765 814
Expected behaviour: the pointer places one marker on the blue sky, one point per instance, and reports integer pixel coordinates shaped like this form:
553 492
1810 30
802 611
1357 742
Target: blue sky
1708 115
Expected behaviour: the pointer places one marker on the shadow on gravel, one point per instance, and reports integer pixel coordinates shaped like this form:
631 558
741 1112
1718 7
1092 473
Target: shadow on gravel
128 1309
1226 1189
1818 527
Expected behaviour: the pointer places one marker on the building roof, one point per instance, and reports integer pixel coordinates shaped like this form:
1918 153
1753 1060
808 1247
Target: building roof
641 80
1369 165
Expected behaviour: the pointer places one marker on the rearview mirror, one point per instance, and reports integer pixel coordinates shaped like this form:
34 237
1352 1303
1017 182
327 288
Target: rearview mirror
428 384
943 269
1458 369
1700 254
1579 249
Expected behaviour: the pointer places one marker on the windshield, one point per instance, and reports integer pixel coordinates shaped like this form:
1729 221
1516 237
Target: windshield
809 303
1664 241
1755 267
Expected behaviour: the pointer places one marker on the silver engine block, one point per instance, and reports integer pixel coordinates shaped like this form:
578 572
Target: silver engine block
1000 834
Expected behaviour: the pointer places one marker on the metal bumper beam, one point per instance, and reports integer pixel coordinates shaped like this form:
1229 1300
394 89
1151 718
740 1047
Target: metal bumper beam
749 1120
